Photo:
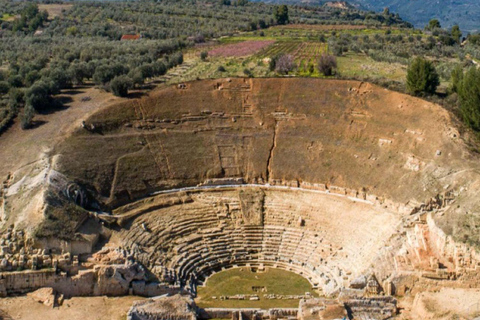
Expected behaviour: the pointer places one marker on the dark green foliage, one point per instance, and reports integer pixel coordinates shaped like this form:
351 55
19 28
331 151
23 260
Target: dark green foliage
221 69
78 72
31 77
467 86
103 74
15 81
147 71
137 77
273 62
474 38
30 19
38 95
280 14
120 85
27 117
60 78
4 87
311 68
433 24
447 39
176 59
456 33
422 77
159 68
203 55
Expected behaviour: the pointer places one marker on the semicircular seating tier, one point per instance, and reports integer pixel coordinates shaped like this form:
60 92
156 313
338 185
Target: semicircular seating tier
325 238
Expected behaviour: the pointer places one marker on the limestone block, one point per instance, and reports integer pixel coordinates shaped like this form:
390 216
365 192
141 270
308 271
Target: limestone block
44 295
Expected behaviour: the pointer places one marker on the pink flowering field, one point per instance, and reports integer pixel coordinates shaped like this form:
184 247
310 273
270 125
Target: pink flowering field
240 49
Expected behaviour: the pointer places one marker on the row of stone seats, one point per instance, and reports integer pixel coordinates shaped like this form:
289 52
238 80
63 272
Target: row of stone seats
294 249
195 238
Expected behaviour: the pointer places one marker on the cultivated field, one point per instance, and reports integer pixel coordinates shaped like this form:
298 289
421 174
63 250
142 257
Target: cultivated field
306 54
240 49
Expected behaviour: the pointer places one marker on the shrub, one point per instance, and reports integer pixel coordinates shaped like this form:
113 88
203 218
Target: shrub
137 77
4 87
61 78
327 64
102 75
203 55
38 96
433 24
285 64
468 88
15 81
27 117
159 68
247 72
221 69
281 14
120 85
422 77
273 62
456 33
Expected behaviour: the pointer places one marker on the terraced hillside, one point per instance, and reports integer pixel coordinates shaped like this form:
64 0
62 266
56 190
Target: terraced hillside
343 133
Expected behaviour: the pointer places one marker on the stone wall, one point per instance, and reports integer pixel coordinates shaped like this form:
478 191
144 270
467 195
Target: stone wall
461 255
110 280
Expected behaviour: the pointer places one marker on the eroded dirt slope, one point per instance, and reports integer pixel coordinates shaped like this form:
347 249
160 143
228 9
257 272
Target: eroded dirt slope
342 133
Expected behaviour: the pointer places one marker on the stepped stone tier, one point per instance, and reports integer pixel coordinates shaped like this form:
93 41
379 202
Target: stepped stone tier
299 231
364 192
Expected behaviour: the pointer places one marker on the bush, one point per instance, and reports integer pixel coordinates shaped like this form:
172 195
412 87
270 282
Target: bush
61 78
468 88
27 117
248 73
15 81
327 64
280 14
120 85
102 75
422 77
137 77
4 87
203 55
285 64
221 69
38 96
273 62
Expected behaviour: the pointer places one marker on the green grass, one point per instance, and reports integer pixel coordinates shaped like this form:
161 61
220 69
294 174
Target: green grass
360 65
241 280
7 17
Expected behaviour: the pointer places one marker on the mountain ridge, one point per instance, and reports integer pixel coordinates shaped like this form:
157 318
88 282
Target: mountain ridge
465 13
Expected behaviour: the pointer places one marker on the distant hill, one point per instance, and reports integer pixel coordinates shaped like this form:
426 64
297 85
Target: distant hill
465 13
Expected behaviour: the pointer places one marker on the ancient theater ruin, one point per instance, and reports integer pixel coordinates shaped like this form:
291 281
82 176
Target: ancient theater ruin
358 190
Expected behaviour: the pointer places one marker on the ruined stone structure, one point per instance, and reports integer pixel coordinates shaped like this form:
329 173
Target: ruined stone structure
346 184
256 227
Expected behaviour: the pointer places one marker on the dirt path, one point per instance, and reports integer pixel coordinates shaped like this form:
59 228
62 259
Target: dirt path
19 148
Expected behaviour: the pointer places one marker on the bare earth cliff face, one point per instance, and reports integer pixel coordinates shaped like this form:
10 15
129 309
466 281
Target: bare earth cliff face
334 180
